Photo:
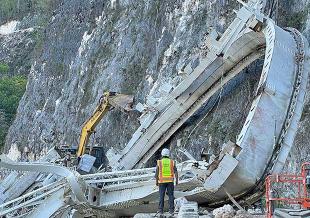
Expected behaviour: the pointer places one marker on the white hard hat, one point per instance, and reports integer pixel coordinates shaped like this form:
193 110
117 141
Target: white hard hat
165 152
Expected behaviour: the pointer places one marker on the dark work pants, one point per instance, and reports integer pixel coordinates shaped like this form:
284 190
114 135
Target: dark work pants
163 188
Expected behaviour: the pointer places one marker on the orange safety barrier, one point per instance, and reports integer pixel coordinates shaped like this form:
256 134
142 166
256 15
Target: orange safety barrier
302 195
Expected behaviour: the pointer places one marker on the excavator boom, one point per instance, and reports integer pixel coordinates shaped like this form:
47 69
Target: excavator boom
107 101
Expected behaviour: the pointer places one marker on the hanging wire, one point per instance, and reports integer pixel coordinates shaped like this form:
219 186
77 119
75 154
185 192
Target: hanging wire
216 102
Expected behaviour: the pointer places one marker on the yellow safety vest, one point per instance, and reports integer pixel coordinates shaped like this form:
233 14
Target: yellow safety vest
166 170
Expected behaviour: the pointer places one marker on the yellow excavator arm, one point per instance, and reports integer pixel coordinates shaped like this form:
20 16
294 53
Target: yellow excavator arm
107 101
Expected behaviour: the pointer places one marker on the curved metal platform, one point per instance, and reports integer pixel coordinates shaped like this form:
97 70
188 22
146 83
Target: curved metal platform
261 147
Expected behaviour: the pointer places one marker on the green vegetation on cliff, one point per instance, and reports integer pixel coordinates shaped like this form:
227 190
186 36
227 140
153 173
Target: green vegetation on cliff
4 68
11 91
12 81
17 9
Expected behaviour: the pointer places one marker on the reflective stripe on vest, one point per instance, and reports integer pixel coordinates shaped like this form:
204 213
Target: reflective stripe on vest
166 170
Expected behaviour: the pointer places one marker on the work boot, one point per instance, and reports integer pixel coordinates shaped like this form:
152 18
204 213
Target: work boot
160 214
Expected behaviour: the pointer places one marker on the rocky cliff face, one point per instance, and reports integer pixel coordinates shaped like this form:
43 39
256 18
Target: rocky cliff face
126 46
131 47
16 50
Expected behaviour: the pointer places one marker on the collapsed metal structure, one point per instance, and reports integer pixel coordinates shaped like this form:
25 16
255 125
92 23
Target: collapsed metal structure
239 170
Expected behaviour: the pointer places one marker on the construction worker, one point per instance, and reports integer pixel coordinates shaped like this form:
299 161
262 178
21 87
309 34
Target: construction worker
166 173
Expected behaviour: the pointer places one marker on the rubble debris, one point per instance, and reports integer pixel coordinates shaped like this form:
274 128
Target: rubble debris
189 210
227 211
179 202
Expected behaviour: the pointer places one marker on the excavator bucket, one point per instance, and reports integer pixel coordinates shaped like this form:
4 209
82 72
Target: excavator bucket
122 102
